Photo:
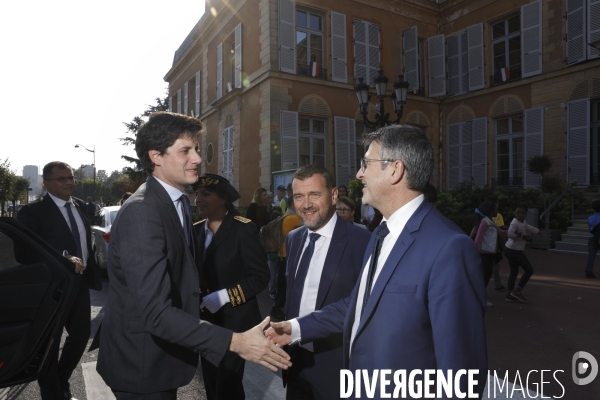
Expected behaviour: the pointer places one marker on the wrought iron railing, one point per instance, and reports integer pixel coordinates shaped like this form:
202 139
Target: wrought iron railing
510 182
306 69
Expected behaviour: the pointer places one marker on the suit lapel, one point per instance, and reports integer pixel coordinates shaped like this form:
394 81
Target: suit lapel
332 260
220 235
164 197
200 238
292 261
58 216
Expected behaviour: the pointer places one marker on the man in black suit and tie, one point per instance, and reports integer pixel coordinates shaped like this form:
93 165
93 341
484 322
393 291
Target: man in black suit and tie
61 221
151 331
324 259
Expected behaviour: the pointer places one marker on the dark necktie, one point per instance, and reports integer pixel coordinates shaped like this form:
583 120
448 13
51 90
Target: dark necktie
382 232
187 223
296 295
74 230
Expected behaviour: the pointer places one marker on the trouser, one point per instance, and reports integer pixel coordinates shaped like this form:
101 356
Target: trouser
487 260
516 258
225 381
56 379
592 250
309 379
496 272
281 284
166 395
273 268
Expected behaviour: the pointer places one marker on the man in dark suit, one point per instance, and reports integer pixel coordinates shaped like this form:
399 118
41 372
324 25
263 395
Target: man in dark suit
151 331
61 221
323 264
420 301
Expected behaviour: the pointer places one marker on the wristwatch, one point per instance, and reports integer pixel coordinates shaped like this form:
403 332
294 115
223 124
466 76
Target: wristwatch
65 253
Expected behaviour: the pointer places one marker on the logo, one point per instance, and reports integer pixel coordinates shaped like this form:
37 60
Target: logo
581 368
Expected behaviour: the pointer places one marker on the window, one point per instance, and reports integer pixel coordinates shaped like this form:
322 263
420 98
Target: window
366 51
582 28
506 50
312 141
595 143
228 153
509 151
309 44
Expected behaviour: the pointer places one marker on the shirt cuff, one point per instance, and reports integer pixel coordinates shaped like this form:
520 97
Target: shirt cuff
296 334
223 297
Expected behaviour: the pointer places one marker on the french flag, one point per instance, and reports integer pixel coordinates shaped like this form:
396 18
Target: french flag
505 74
315 68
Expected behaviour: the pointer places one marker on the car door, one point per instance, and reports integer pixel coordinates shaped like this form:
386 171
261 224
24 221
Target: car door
37 288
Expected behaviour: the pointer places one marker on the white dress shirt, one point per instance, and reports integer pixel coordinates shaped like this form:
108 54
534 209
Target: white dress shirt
395 224
308 302
80 225
175 195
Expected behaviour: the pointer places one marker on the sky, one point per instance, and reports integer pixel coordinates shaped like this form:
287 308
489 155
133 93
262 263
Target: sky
73 71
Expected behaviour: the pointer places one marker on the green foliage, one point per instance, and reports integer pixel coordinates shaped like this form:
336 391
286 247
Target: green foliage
6 184
539 164
355 188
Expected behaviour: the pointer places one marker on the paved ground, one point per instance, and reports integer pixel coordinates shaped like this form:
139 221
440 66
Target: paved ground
561 318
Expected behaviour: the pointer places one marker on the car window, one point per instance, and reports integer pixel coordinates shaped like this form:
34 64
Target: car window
16 251
101 219
113 215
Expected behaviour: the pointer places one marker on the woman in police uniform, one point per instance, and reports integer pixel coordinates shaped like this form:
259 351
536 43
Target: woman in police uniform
233 269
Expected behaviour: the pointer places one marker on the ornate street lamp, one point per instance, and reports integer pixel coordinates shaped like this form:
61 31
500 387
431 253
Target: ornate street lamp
398 98
94 165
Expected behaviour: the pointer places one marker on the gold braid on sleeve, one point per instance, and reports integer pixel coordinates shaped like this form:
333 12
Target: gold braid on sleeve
236 296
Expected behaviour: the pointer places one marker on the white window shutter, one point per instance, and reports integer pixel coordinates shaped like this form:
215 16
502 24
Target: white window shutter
466 151
480 151
185 98
374 56
238 55
410 51
170 104
575 27
219 70
179 101
453 59
593 27
361 51
338 48
534 141
578 141
228 153
437 66
531 39
352 144
454 170
463 50
287 36
289 139
476 60
344 143
197 97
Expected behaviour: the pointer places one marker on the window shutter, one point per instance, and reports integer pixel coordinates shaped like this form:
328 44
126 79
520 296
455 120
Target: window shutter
238 55
287 36
197 97
228 153
360 51
345 150
179 101
454 172
534 141
437 67
185 98
170 104
476 70
373 54
531 39
453 57
575 27
410 50
289 139
578 141
219 70
593 27
466 151
352 144
338 48
480 151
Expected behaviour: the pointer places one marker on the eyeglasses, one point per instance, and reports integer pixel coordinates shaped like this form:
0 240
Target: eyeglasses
343 210
63 179
364 163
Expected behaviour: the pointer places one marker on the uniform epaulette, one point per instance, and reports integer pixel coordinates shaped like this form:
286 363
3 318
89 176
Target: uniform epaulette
242 219
199 222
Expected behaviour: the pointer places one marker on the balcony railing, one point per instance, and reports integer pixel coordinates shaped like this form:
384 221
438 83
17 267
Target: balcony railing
305 69
514 74
511 182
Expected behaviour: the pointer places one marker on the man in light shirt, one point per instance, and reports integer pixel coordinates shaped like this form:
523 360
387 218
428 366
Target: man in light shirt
420 301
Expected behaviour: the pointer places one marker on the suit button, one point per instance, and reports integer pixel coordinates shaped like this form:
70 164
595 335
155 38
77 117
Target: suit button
203 354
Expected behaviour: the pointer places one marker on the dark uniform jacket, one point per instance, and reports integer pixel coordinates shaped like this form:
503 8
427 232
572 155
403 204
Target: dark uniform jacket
45 219
235 260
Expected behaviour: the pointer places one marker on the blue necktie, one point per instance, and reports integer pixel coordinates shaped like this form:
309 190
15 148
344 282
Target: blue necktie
74 230
296 295
381 234
187 223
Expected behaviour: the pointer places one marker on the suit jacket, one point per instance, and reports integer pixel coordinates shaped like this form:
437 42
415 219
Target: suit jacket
234 260
426 309
46 220
151 332
340 273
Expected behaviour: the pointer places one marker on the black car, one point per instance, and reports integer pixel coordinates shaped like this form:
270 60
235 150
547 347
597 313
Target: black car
37 288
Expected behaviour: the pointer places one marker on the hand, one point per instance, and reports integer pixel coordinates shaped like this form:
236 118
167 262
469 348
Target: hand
280 333
253 346
215 301
77 262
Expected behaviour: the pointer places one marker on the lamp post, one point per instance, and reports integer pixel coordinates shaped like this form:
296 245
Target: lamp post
94 165
398 98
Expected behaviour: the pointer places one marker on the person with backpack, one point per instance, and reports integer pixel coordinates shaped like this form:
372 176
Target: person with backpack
593 240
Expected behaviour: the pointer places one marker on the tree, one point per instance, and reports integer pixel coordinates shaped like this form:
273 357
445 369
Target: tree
19 192
6 184
101 176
